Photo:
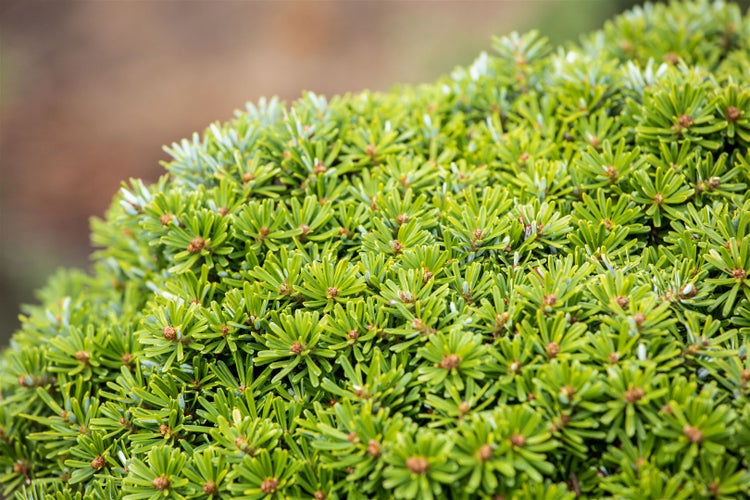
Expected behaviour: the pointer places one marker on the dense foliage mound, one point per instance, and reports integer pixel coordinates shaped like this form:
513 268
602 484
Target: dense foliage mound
529 279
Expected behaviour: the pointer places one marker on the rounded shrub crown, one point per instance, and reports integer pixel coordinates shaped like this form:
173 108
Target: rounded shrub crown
530 279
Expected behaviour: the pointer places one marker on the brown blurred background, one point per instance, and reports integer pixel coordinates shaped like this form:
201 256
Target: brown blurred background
91 90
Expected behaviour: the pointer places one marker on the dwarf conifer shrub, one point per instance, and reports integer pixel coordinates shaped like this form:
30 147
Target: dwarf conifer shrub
529 279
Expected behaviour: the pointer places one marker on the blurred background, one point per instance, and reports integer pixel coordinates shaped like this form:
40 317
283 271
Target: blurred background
91 90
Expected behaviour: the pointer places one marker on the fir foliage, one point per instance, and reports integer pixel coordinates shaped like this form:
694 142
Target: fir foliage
529 279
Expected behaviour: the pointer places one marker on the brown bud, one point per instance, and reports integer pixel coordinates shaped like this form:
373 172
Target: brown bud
484 452
319 168
426 275
402 219
693 434
126 358
739 274
733 114
319 495
396 247
332 291
553 349
417 465
169 333
269 485
373 448
639 319
210 488
263 233
160 483
685 121
611 173
305 230
614 357
658 199
223 211
296 348
82 357
450 361
98 463
352 334
500 321
688 291
549 300
352 437
164 430
634 394
568 391
713 182
671 58
622 301
515 367
165 219
370 151
464 407
196 245
518 440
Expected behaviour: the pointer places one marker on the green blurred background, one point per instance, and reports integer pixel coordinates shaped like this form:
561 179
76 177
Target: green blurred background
91 90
